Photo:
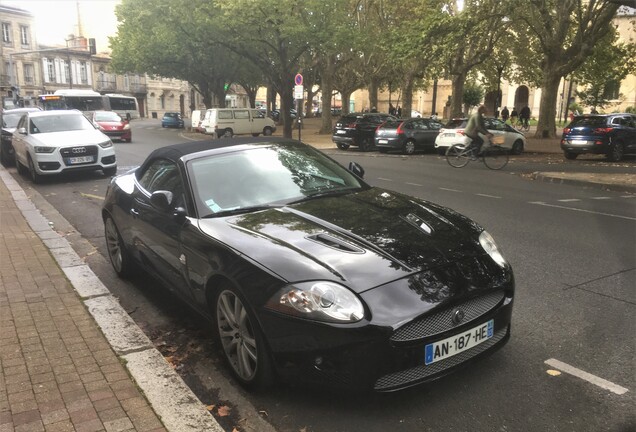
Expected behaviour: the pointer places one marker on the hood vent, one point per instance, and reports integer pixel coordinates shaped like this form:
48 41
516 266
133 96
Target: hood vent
335 243
419 223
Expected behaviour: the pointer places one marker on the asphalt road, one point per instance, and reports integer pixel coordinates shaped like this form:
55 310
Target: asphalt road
574 255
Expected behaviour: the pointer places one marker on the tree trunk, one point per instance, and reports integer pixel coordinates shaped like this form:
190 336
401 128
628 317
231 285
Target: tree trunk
373 94
546 128
346 95
458 95
271 98
327 90
407 96
286 98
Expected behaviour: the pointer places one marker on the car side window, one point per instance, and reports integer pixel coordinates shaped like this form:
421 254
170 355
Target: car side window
617 121
225 115
163 174
258 114
241 114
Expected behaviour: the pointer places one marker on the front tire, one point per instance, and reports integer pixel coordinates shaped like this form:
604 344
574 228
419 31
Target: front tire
267 131
517 147
495 157
242 340
35 177
456 156
117 252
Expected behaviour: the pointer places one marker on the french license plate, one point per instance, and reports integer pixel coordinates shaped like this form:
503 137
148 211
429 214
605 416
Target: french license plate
80 160
448 347
341 132
448 135
383 141
578 142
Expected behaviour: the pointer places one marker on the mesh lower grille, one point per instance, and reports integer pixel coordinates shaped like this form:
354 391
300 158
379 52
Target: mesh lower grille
442 321
405 377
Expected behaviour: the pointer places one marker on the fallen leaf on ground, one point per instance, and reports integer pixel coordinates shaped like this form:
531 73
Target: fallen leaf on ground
224 410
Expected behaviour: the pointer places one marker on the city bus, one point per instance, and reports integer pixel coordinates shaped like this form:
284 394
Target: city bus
125 106
88 101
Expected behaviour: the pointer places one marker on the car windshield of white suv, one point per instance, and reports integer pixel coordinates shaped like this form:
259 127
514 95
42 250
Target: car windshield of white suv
59 123
11 120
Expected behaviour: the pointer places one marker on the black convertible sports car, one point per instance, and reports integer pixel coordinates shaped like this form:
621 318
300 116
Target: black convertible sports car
307 272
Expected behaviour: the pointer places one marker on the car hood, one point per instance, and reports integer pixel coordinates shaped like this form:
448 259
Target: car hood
363 240
69 138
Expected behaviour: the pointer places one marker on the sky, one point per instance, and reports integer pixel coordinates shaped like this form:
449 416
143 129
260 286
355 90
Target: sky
55 20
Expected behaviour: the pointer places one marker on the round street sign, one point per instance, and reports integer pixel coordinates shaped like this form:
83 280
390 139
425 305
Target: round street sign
298 79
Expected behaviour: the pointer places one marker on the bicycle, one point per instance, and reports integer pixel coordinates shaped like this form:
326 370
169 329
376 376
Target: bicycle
494 156
523 125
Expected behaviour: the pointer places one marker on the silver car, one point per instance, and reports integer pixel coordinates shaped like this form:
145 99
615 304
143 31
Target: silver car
53 142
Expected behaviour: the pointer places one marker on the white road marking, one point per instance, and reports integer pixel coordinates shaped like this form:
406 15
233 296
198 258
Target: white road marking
85 195
628 196
602 383
488 196
581 210
601 198
385 179
413 184
451 190
569 200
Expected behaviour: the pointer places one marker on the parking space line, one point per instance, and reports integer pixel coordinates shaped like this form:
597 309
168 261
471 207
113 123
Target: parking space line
488 196
593 379
450 190
385 179
541 203
569 200
601 198
413 184
628 196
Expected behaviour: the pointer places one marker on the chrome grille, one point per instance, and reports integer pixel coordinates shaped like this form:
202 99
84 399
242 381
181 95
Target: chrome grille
405 377
78 151
442 321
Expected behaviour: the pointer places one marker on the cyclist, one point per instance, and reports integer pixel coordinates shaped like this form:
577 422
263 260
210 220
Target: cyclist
513 117
524 116
476 126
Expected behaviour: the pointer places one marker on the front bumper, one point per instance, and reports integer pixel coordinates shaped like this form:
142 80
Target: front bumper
376 355
61 160
119 135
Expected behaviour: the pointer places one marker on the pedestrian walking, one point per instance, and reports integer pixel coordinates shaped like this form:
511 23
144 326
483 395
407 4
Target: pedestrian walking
505 114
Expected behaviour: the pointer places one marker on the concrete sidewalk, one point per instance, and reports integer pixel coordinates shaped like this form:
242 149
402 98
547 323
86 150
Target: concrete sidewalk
71 359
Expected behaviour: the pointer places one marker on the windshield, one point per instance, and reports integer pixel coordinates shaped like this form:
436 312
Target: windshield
59 123
265 176
10 120
107 117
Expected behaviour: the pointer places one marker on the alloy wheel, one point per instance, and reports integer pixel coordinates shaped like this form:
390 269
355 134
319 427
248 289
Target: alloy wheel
113 245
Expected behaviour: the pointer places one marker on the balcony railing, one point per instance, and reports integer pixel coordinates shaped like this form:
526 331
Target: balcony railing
137 88
106 85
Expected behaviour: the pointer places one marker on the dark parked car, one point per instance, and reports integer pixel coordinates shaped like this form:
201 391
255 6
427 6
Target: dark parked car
172 120
613 135
306 272
358 129
10 119
407 136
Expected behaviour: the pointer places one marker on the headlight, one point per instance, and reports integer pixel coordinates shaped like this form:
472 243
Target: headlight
126 126
489 245
320 301
42 149
106 144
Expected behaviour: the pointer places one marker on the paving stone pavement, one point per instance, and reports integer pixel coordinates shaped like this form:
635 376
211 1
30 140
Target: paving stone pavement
57 370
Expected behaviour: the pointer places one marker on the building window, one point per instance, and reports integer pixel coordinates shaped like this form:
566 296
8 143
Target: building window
29 77
67 72
6 32
24 35
50 67
83 74
612 90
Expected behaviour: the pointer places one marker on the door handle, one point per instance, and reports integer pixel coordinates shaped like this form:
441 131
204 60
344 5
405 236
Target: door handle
134 212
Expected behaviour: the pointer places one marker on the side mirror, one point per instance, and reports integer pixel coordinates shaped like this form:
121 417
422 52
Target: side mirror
161 200
356 169
22 131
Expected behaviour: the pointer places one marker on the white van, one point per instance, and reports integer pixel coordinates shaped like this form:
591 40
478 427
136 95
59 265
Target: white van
197 118
226 122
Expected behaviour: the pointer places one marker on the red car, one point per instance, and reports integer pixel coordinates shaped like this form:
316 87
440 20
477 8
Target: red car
112 125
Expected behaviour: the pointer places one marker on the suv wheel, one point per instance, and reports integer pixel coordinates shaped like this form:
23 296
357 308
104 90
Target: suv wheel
616 152
570 155
408 147
366 144
342 146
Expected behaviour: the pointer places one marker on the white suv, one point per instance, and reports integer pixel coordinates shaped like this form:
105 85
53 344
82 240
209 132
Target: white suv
52 142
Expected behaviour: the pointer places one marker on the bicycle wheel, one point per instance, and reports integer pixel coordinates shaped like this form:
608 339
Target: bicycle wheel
495 157
457 155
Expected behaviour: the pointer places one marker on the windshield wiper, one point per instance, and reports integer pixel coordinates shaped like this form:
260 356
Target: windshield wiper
325 193
241 210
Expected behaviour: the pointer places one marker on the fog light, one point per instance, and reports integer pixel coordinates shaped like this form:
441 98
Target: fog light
318 361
